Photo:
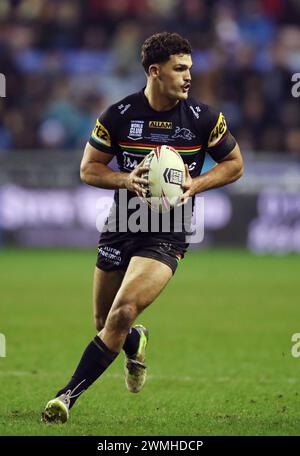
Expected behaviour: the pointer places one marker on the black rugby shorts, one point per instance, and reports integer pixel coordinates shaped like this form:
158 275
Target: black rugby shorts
117 255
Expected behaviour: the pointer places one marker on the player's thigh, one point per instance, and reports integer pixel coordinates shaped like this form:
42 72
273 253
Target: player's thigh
144 280
106 286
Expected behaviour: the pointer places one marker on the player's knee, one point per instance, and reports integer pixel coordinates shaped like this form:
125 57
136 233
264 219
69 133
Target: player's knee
124 315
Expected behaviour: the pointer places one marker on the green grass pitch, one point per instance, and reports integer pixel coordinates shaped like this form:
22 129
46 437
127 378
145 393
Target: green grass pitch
219 353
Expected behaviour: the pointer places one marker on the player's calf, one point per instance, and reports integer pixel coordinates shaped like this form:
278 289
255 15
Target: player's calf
96 358
99 323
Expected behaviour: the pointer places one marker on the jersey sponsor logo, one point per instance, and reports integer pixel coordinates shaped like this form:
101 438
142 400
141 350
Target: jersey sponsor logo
123 108
196 111
160 124
130 160
192 166
159 137
173 176
218 132
101 134
110 255
136 130
184 133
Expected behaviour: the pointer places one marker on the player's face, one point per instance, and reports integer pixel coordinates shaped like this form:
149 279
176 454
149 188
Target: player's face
174 77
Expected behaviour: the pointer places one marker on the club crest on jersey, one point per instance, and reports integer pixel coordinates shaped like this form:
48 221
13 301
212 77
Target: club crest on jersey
136 130
160 124
218 132
101 134
184 133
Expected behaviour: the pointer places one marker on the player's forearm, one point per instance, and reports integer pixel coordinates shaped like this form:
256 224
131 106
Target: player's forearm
100 175
222 174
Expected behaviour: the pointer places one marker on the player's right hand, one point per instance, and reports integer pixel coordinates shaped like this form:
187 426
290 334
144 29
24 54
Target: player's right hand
134 182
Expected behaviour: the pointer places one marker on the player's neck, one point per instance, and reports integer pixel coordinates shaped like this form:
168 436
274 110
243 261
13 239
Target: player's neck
157 101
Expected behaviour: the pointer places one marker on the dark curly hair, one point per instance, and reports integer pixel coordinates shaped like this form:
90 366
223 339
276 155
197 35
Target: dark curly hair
159 47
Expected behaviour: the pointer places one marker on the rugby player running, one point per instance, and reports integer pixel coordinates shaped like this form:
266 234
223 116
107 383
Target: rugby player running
133 268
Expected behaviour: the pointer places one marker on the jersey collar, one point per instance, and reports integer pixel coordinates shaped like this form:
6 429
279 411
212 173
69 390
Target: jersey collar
157 113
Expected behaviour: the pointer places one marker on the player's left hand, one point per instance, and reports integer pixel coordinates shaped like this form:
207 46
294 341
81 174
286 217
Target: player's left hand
187 187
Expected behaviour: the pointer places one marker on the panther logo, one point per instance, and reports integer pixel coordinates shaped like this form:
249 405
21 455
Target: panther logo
184 133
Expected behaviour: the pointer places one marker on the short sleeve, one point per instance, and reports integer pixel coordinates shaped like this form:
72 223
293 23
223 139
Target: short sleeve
102 136
220 141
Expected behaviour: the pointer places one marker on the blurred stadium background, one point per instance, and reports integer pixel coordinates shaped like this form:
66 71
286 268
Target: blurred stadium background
64 62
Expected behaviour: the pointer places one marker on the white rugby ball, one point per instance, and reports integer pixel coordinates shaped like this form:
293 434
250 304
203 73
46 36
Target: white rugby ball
166 175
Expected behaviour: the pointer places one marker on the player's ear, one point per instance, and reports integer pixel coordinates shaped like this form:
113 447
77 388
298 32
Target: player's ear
154 70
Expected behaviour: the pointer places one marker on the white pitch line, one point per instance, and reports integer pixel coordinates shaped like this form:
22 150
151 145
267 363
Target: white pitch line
116 376
168 378
15 373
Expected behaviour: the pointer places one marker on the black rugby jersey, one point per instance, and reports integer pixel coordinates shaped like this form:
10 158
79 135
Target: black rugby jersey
130 129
